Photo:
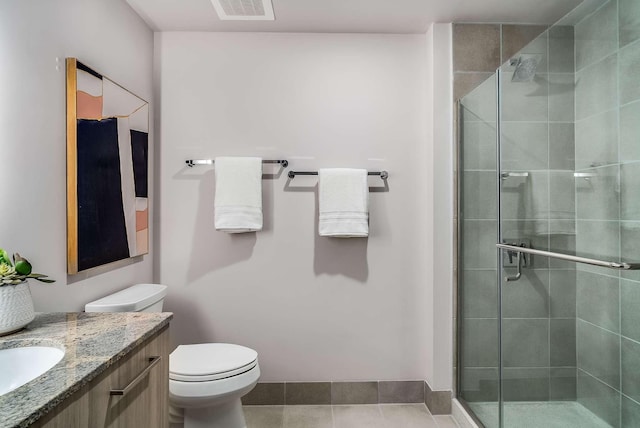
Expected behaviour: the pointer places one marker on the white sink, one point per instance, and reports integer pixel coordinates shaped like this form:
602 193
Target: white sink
21 365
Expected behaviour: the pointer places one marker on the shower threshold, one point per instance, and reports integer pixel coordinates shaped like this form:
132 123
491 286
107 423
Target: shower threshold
538 414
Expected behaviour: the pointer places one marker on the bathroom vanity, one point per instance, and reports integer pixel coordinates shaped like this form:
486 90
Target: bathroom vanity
114 373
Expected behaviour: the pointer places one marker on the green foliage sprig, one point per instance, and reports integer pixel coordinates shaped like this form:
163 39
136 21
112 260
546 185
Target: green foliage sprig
17 271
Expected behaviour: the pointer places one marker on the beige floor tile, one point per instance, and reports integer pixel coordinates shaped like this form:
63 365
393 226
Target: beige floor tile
408 416
361 416
445 421
308 417
264 416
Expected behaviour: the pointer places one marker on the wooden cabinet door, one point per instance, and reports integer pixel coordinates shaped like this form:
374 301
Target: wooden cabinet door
145 405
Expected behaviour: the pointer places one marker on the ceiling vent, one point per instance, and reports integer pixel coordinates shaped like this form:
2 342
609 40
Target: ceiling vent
244 10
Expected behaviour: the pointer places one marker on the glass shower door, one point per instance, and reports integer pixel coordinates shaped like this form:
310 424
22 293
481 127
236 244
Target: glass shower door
570 172
478 311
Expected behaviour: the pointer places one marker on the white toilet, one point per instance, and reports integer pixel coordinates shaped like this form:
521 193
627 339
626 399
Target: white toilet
206 380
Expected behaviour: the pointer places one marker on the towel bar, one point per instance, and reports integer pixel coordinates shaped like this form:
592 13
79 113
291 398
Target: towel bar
383 174
192 162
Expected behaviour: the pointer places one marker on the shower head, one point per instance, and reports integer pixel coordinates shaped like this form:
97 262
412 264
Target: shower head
526 66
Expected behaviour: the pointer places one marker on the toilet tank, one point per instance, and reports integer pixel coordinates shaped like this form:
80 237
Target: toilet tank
137 298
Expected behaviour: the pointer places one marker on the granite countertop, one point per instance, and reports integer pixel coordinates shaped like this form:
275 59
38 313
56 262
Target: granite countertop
91 341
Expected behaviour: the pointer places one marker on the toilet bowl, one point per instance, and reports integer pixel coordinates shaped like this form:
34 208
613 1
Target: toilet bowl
206 380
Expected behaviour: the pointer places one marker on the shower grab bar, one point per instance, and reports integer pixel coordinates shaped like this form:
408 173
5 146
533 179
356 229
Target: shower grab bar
383 174
570 258
191 162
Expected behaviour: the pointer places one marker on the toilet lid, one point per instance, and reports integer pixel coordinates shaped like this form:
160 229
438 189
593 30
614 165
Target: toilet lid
210 361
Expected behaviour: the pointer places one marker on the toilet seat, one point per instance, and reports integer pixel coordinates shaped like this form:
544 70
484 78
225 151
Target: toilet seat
210 361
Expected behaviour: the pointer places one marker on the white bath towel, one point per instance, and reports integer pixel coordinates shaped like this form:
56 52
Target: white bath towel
238 202
343 202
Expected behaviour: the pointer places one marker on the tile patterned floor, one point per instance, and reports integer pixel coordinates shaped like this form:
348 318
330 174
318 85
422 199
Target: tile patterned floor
354 416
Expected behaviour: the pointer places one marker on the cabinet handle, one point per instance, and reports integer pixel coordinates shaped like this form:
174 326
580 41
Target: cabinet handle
152 362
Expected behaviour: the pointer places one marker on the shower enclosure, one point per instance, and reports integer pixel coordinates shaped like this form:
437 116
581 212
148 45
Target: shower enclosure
548 307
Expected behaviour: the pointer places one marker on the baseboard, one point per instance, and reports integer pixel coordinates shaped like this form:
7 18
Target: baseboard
319 393
438 402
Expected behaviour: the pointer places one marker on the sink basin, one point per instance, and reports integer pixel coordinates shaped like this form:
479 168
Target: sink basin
21 365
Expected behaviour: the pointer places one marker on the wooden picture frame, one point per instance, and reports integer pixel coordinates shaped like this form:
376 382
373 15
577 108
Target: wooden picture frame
107 170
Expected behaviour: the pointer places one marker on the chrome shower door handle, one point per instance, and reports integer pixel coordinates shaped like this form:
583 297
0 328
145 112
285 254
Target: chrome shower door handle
518 272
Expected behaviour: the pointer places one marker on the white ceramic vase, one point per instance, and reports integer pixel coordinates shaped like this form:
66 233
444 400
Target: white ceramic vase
16 307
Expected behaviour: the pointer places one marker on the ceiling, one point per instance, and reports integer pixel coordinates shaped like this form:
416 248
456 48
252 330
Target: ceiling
351 16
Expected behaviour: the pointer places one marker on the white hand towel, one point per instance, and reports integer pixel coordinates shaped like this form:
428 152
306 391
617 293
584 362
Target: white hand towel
238 202
343 202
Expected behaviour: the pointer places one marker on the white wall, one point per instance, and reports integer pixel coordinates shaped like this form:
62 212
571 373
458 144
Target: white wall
314 308
441 374
35 38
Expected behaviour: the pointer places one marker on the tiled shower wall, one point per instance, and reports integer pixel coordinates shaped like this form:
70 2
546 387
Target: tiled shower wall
608 210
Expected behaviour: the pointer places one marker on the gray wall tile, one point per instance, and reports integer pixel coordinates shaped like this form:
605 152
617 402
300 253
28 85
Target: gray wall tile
597 35
562 384
630 413
354 392
630 247
480 384
476 47
630 132
599 198
629 185
629 84
594 138
466 82
597 300
524 146
597 141
479 195
480 345
598 353
526 384
561 49
601 399
525 342
563 343
478 146
562 146
479 239
562 195
561 96
629 21
524 101
630 302
562 285
518 37
401 391
482 102
605 234
630 374
479 294
308 393
528 297
596 88
525 198
562 239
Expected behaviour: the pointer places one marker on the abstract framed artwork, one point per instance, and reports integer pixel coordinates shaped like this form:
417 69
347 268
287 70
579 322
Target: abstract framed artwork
107 170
